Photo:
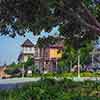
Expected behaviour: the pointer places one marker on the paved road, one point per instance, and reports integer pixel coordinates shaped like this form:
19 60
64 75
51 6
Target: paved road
18 80
25 80
15 82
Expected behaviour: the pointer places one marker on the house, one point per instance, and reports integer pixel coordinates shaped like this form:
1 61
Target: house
28 50
46 59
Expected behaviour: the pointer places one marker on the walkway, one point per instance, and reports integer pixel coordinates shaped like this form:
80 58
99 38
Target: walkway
18 80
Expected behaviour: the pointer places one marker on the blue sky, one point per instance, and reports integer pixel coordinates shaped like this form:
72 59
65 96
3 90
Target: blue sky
10 48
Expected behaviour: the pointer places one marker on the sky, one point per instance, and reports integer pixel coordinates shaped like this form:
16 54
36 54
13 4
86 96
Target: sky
10 47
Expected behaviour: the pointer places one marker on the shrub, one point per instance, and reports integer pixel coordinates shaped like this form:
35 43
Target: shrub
50 89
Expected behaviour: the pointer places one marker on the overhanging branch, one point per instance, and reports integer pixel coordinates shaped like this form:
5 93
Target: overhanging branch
90 16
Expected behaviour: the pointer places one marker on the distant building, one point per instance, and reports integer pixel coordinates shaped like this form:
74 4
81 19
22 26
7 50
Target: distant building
45 59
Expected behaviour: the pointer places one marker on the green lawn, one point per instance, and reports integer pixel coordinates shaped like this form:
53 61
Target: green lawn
68 74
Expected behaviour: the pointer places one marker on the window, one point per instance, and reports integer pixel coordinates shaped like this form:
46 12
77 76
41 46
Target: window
25 49
36 52
46 62
30 49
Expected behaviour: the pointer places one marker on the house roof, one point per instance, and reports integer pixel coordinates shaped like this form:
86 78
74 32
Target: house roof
56 46
27 43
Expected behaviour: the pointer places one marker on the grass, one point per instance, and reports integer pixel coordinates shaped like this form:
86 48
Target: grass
68 74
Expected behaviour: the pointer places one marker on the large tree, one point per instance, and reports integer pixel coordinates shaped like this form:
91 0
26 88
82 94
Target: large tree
73 17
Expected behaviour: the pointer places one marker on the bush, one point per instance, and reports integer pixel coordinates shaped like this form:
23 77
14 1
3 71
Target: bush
87 74
50 89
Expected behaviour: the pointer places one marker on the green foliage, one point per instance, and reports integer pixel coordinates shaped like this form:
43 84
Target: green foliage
85 52
69 57
91 6
61 65
27 15
29 62
14 67
49 89
70 54
13 64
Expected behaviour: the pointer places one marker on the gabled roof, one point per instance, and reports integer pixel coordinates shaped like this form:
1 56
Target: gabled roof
27 43
56 46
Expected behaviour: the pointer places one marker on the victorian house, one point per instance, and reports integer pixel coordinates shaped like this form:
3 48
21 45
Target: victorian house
46 59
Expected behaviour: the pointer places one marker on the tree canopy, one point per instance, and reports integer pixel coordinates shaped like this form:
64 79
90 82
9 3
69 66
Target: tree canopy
73 17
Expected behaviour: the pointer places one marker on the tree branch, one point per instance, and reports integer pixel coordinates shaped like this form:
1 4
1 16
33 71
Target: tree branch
90 16
90 26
